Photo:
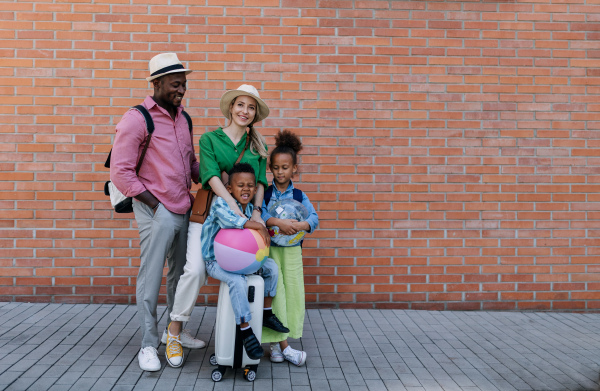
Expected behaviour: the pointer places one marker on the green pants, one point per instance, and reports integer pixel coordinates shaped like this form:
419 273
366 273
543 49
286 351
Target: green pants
288 303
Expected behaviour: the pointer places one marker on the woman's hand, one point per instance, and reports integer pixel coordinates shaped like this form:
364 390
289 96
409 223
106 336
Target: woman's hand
286 226
235 208
256 216
220 190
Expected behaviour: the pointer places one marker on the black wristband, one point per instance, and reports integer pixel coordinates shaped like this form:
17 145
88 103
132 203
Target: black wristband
258 208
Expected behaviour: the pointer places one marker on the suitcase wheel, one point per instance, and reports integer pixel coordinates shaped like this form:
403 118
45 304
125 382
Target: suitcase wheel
249 374
213 359
216 375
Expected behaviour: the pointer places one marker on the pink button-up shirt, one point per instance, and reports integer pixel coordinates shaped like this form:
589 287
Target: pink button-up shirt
170 163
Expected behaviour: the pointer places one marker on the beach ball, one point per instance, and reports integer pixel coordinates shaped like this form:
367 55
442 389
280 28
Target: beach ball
287 208
241 251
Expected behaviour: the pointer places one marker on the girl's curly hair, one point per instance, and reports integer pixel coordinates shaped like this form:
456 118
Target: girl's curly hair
287 142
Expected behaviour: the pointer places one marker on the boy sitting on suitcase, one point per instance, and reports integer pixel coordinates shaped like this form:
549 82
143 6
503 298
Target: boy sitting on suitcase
242 186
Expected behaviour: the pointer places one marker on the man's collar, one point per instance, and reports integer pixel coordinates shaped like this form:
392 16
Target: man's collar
149 102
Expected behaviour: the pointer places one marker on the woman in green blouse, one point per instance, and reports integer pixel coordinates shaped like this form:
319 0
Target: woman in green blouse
219 150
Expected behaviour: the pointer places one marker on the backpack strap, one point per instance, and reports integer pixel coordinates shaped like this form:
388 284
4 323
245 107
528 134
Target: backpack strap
147 117
107 162
189 120
268 194
297 195
149 128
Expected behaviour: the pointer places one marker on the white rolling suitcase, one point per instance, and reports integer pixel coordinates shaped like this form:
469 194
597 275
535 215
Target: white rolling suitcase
229 351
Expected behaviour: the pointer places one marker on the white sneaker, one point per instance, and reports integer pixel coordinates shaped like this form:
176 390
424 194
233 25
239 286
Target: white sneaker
296 357
187 341
148 359
276 355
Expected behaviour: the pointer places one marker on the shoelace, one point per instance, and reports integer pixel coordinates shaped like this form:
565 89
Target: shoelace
174 348
150 353
186 333
294 356
276 350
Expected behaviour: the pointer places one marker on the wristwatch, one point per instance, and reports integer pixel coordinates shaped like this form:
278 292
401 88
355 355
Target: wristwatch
258 208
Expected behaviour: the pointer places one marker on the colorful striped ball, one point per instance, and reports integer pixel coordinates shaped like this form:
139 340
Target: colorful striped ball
241 251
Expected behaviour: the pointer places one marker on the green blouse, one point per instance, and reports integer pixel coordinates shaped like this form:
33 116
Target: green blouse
217 154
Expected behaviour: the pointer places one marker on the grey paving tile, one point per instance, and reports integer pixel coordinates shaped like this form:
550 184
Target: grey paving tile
60 387
23 365
84 384
41 384
95 347
208 385
104 384
121 387
8 377
318 385
281 384
338 385
21 384
69 377
299 379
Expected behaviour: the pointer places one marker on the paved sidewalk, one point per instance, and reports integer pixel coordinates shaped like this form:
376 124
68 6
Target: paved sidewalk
94 347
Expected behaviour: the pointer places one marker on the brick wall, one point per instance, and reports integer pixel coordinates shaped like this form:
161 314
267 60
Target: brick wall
452 147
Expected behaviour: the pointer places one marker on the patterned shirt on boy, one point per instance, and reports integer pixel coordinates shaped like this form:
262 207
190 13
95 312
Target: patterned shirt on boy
221 216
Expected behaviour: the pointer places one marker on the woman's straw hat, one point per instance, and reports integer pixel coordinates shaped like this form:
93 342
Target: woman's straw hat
247 90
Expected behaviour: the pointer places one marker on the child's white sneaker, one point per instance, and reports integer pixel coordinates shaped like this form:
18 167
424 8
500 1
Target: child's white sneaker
296 357
276 355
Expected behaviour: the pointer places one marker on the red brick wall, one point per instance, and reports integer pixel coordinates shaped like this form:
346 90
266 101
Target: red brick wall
452 147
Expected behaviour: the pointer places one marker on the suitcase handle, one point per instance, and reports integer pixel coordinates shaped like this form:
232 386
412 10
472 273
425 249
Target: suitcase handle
251 294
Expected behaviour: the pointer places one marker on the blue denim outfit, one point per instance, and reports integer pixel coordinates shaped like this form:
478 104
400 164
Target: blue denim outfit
313 218
221 216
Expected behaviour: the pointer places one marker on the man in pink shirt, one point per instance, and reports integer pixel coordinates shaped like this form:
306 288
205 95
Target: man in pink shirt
161 193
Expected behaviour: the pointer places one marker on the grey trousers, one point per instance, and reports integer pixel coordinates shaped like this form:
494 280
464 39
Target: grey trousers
163 235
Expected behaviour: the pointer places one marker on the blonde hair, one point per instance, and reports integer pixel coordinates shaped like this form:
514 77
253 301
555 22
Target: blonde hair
257 141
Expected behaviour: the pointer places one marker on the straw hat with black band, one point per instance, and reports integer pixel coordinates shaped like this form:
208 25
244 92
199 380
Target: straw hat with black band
247 90
165 63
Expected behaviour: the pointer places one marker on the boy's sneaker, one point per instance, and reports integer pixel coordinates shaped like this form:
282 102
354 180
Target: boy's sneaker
187 341
148 359
252 346
276 355
273 323
174 351
296 357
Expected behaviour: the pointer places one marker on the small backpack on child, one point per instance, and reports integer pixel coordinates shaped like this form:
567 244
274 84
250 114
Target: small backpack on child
269 193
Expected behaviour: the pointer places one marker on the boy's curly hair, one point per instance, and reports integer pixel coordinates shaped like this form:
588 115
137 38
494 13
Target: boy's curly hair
241 167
